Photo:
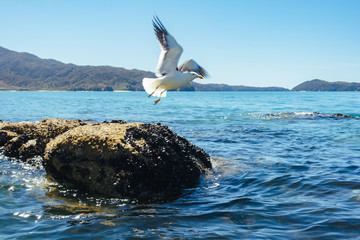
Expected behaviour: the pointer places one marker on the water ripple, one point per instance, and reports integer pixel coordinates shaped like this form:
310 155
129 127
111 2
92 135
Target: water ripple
285 167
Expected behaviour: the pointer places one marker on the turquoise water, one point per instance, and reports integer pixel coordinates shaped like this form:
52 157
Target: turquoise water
280 171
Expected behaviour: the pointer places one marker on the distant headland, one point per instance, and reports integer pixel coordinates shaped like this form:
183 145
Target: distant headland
21 71
321 85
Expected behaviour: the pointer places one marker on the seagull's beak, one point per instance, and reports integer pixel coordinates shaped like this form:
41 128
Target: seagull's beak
200 76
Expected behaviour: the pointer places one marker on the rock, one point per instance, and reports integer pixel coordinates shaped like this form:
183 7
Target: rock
27 140
127 160
340 115
117 159
6 136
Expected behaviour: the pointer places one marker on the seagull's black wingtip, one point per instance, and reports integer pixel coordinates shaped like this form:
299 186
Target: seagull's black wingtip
158 24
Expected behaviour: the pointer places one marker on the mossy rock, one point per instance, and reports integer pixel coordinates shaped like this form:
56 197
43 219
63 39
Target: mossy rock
127 160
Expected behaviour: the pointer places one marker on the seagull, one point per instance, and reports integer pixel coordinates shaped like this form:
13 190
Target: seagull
169 76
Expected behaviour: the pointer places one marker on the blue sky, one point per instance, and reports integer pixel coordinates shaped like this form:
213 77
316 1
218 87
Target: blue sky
252 42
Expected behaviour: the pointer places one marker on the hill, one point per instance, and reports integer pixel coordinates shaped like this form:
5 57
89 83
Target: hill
321 85
24 71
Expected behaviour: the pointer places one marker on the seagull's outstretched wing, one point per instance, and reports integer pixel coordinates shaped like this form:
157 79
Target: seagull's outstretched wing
170 49
191 66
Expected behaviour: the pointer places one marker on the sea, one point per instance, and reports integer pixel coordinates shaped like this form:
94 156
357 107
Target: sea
284 167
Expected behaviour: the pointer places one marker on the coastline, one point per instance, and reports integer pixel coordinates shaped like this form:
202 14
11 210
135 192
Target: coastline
1 90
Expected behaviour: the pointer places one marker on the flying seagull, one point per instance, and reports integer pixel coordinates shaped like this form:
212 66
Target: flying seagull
169 76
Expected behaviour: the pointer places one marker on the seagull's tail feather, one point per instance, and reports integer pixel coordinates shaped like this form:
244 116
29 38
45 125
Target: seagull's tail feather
152 86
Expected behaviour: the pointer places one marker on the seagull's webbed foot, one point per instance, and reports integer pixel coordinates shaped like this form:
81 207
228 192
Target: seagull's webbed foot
157 101
159 97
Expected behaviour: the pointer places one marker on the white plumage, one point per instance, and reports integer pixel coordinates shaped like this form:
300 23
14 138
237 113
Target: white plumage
169 76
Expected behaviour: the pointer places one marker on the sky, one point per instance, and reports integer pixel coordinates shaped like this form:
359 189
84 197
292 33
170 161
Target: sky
241 42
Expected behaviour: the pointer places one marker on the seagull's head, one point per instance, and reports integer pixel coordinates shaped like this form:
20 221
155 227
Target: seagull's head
196 75
189 76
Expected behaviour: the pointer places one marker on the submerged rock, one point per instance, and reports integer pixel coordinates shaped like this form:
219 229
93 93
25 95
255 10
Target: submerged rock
131 160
